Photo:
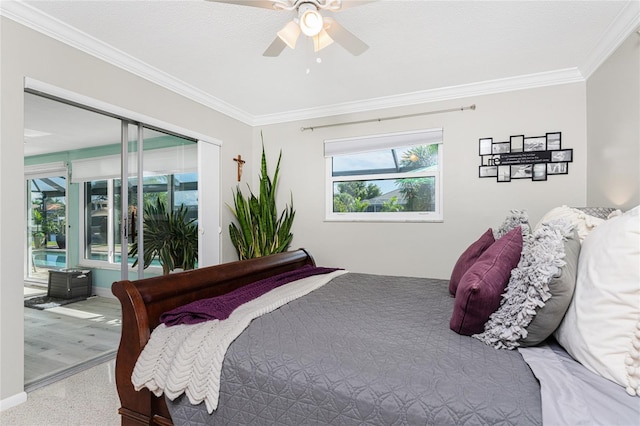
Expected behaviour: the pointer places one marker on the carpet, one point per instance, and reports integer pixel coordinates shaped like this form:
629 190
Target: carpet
46 302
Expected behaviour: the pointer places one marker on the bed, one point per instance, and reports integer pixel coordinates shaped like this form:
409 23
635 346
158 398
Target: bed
359 349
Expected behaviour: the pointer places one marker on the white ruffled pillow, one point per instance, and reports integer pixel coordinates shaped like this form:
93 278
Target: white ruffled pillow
583 222
601 329
542 259
514 219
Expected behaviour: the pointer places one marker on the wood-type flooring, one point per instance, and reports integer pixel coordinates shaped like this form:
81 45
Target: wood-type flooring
61 341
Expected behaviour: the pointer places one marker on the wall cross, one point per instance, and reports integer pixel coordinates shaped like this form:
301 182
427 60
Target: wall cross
240 162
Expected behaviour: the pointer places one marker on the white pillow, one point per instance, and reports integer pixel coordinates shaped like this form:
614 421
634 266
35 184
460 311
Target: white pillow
601 329
583 222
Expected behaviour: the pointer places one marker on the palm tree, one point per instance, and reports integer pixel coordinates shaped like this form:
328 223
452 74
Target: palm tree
418 192
420 156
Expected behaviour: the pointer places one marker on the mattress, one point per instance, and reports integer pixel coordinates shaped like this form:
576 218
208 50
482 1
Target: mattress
367 349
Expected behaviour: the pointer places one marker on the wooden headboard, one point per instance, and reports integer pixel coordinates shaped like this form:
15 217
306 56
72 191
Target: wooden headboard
143 302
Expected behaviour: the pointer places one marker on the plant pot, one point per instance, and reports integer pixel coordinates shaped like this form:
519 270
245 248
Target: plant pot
39 240
61 240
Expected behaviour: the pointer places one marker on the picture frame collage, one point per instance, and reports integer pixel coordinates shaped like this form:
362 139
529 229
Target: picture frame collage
533 157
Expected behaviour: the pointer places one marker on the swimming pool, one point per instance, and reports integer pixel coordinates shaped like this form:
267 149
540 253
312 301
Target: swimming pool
49 259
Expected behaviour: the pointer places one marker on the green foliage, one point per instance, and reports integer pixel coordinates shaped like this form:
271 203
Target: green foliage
344 202
353 196
38 218
51 227
418 193
420 156
359 189
260 231
169 236
391 205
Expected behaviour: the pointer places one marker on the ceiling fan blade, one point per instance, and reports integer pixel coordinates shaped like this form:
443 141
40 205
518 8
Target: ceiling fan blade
275 48
343 37
346 4
265 4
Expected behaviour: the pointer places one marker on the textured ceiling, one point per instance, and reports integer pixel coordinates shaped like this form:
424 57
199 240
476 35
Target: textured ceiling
215 49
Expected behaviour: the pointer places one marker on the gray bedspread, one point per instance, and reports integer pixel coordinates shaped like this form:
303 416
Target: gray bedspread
367 349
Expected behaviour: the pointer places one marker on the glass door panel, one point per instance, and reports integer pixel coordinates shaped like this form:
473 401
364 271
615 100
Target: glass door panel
169 183
47 226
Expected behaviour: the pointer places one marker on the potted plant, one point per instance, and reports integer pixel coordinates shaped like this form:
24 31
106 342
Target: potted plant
168 235
260 230
38 235
61 235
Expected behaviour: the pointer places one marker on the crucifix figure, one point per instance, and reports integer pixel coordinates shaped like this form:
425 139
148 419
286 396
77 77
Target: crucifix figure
240 162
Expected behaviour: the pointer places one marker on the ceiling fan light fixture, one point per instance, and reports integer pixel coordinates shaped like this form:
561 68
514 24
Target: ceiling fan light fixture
289 34
310 19
321 40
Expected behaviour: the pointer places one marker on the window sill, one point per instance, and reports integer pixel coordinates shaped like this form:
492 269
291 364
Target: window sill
382 220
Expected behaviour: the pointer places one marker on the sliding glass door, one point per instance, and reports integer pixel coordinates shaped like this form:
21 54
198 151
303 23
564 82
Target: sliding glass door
91 172
168 182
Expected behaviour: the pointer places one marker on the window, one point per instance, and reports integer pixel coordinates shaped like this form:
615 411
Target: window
103 241
393 177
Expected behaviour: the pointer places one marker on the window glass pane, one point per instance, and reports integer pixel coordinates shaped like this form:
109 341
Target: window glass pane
366 161
97 220
385 195
102 209
47 227
185 186
418 157
396 160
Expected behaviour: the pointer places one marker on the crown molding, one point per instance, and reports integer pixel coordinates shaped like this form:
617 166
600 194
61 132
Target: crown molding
35 19
523 82
627 22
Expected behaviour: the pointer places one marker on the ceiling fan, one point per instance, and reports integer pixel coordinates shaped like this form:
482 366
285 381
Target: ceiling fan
308 20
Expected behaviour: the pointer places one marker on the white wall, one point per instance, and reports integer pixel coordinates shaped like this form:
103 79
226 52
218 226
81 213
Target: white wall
471 204
613 113
26 53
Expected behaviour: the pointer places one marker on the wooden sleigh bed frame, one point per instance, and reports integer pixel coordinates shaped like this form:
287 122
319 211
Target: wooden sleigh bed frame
143 302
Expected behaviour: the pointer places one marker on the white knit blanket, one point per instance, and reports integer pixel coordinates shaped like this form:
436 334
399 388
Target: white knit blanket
188 358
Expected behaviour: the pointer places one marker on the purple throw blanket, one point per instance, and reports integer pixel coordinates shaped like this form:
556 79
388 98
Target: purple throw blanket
220 307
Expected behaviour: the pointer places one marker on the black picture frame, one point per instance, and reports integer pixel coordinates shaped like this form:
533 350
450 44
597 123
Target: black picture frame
501 147
562 156
521 171
554 141
488 171
535 143
504 174
539 172
517 143
486 146
557 168
522 157
487 160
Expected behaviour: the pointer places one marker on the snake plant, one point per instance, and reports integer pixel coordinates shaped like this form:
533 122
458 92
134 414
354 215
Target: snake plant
260 230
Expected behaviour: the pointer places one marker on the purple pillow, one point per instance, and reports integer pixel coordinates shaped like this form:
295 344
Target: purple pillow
481 287
468 258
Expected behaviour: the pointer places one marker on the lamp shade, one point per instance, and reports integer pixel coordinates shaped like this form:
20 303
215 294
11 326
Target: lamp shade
321 40
289 34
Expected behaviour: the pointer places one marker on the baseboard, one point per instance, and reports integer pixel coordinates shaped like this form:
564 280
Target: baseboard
103 292
13 401
68 372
